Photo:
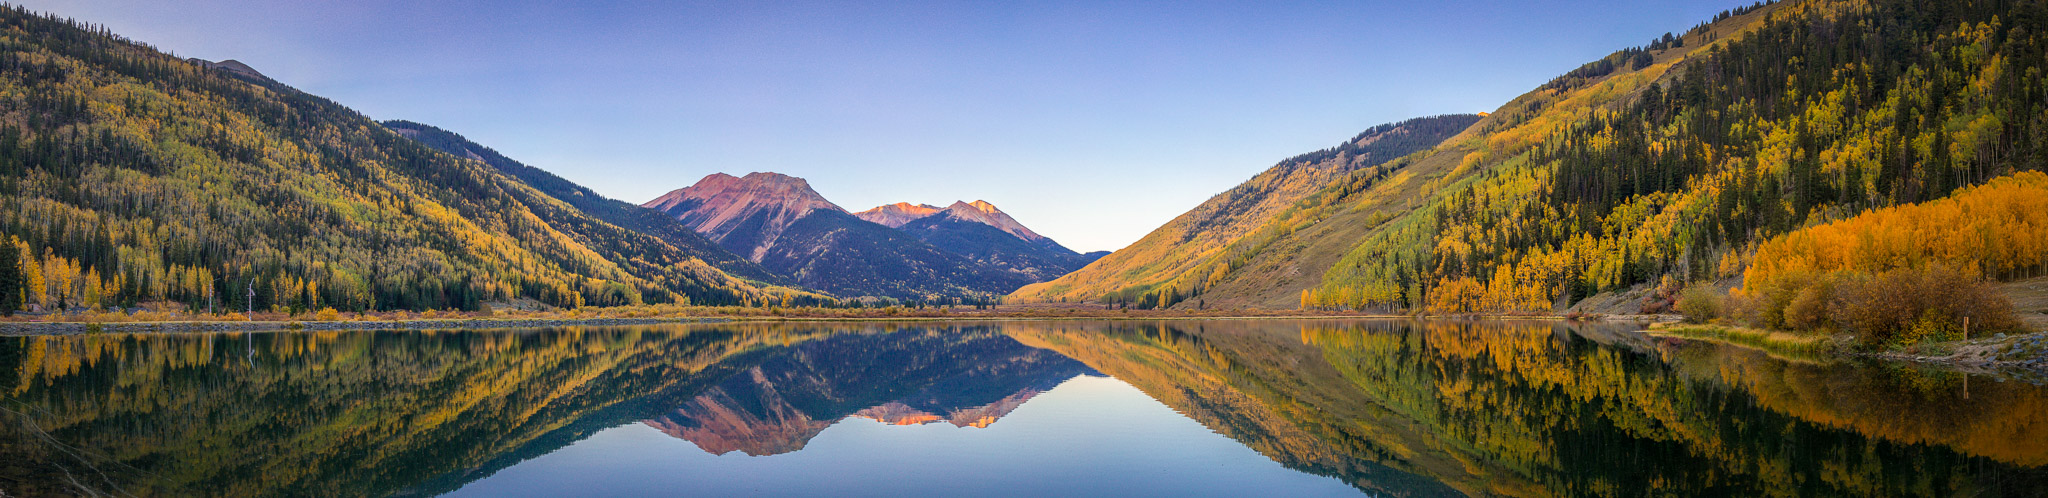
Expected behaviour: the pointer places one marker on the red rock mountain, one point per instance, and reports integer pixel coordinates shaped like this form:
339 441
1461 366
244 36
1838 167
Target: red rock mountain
779 222
746 215
896 215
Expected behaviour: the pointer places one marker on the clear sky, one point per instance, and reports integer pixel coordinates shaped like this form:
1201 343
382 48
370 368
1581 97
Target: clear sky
1090 122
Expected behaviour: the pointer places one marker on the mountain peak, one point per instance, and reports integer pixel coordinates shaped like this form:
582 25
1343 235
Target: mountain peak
760 204
984 206
979 211
895 215
987 214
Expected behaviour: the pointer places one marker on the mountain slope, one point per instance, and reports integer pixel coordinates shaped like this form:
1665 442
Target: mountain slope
1193 242
982 233
1673 168
1041 260
625 215
778 221
1659 165
1297 249
746 215
131 175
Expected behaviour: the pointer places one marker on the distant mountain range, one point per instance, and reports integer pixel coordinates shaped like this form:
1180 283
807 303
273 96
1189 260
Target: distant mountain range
911 252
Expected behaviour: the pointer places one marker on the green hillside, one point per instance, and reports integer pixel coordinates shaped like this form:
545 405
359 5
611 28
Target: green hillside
130 176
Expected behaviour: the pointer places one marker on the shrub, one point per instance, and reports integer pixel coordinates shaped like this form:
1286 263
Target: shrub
327 314
1906 306
1813 307
1701 304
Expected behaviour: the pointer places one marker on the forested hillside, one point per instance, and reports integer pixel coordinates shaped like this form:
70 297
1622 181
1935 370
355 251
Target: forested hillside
1815 110
1666 163
130 175
624 214
1193 247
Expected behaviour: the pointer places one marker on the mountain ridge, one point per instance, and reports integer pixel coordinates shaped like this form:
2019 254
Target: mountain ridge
781 223
182 183
625 215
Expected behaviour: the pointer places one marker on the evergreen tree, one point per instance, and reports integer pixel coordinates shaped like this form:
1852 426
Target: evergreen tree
10 278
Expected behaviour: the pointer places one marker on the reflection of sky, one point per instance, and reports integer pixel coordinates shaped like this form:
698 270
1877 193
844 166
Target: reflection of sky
1089 436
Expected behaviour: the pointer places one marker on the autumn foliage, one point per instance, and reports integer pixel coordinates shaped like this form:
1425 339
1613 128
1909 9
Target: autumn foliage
1908 273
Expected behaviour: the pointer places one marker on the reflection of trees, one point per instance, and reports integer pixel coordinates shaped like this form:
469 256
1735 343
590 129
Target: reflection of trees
1406 408
1532 409
328 414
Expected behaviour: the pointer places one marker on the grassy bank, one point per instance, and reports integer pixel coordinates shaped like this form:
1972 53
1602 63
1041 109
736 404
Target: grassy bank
1780 343
2023 350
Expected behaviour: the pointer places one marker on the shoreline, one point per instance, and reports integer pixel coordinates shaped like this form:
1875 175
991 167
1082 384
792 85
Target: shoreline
2022 351
27 329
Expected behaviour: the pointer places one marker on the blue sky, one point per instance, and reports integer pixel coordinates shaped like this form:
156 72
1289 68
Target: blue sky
1091 122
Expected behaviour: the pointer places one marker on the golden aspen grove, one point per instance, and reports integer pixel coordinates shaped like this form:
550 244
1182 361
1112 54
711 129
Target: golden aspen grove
132 176
1658 167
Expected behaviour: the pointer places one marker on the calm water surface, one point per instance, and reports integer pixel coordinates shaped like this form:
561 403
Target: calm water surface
1175 408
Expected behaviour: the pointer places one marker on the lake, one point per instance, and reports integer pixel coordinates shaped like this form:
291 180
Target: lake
1066 408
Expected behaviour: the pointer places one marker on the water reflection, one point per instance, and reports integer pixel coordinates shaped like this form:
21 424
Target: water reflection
1404 408
967 377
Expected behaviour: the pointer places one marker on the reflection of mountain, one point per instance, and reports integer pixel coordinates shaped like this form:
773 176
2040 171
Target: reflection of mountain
1539 409
968 377
1399 408
332 413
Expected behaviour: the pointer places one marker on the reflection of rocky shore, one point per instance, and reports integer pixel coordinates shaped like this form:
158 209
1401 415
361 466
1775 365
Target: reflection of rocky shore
966 377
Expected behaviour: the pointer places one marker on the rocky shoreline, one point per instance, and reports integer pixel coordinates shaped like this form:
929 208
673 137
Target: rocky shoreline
2028 351
74 328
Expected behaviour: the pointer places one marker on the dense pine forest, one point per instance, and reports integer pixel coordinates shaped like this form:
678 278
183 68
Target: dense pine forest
130 176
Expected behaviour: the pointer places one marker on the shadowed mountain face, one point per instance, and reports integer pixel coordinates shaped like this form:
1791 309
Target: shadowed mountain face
778 221
967 230
966 377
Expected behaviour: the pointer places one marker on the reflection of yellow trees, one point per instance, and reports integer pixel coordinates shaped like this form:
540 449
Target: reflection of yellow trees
1539 409
2007 421
332 413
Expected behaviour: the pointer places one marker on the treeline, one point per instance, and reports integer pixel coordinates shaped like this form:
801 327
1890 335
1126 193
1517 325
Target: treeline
1635 58
1822 111
129 176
